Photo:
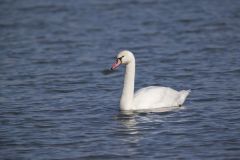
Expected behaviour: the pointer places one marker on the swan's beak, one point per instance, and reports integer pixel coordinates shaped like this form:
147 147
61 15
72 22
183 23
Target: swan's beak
116 64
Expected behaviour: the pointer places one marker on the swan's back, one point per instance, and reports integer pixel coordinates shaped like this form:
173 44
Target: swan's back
157 97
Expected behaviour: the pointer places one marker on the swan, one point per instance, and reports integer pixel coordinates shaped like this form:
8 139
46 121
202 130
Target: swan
152 97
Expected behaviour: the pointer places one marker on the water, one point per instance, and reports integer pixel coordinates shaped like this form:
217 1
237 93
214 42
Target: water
58 100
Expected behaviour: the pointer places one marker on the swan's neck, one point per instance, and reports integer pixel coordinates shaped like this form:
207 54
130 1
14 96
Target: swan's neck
128 87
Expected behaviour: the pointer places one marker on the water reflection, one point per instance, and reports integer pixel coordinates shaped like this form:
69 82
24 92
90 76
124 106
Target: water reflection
155 110
128 120
135 127
129 130
134 124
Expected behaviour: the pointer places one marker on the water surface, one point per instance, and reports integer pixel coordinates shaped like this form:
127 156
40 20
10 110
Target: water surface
58 101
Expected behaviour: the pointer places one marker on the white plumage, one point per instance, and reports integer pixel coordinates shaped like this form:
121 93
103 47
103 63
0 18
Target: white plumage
158 97
151 97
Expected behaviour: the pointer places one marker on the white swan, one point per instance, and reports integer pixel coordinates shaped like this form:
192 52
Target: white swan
146 98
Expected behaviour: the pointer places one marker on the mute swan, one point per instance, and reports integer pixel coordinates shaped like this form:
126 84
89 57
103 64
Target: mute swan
146 98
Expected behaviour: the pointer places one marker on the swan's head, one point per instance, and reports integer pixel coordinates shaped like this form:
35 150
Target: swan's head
123 57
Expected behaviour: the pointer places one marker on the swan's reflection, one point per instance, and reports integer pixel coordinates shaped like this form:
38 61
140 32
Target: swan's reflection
136 123
129 129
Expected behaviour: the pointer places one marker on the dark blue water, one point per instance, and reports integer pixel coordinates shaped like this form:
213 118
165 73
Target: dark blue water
58 101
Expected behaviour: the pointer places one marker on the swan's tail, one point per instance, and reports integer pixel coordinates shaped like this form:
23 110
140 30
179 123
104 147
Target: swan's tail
183 96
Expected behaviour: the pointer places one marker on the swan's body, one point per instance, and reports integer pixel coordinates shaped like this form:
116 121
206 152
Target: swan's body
158 97
146 98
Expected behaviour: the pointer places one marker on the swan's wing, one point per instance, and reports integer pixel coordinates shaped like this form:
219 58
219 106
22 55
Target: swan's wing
155 97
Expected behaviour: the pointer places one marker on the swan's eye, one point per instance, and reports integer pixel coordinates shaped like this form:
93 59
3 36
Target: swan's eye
120 58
